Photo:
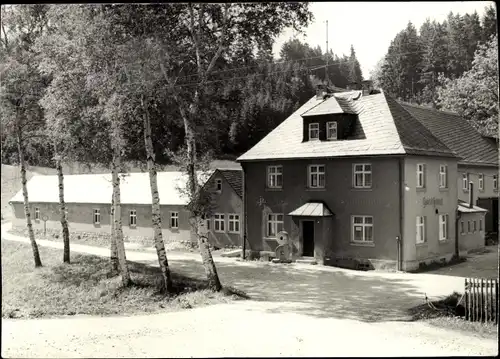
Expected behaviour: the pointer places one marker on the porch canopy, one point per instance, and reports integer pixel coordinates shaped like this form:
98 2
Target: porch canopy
312 209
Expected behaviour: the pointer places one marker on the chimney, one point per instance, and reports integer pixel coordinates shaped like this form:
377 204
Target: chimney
320 91
471 189
367 87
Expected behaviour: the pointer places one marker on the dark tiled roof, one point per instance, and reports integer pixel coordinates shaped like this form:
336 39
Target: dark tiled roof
457 134
235 180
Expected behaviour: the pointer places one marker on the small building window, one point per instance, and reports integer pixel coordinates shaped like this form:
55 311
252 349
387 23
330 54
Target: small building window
133 218
37 214
97 216
474 228
495 182
480 183
468 227
480 225
420 230
275 224
218 185
362 229
208 224
443 176
363 175
331 130
234 223
443 227
465 181
316 177
462 229
274 176
314 131
420 175
174 220
219 222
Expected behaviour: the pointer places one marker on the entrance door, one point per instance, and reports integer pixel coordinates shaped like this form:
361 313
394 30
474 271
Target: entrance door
308 238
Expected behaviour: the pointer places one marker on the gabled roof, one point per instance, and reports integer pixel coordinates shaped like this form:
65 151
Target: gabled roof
457 134
97 188
235 179
388 130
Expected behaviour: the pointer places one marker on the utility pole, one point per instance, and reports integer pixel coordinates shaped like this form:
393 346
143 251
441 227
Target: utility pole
327 55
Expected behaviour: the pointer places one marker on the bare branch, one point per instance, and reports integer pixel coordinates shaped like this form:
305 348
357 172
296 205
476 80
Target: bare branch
221 42
195 40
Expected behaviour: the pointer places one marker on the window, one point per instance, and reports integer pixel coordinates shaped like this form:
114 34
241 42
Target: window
218 185
97 216
420 229
133 218
274 176
208 224
481 182
443 227
474 228
274 224
316 176
219 223
495 182
465 181
362 228
443 176
480 225
420 175
362 175
234 223
174 219
462 230
468 226
37 214
331 130
314 131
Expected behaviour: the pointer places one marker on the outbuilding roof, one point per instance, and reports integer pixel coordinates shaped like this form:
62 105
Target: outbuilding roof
457 134
388 129
464 207
97 188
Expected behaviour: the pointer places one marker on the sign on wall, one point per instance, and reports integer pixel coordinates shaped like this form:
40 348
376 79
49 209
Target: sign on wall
432 201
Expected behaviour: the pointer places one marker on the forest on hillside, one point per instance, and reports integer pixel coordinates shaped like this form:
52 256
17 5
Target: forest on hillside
450 65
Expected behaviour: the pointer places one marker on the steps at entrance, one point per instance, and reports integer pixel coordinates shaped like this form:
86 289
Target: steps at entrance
306 260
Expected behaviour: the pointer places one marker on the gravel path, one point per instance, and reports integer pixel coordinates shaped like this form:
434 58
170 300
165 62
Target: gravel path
297 310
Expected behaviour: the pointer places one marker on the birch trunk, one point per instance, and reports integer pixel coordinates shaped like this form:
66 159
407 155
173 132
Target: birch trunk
62 210
155 207
114 249
120 245
34 246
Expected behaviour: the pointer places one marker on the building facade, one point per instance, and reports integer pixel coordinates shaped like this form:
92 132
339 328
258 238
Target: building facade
353 178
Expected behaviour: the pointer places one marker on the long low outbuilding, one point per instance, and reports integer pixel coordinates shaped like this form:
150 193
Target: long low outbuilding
88 205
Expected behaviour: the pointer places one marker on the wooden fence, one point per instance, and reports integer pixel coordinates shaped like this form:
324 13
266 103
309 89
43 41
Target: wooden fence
481 300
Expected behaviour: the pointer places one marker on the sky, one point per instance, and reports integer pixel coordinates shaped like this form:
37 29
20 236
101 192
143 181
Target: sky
370 26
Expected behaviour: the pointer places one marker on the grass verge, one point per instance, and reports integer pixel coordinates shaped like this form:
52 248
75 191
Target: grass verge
89 286
446 314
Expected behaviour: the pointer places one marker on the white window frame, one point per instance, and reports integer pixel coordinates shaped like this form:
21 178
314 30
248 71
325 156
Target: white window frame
219 223
495 182
480 182
465 181
273 172
97 216
443 227
363 172
420 171
480 224
233 222
273 224
462 227
468 227
37 213
443 176
218 182
331 126
363 225
420 230
315 129
174 220
133 218
314 170
474 226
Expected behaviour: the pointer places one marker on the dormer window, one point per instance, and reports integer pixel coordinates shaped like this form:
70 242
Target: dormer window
218 185
314 131
331 131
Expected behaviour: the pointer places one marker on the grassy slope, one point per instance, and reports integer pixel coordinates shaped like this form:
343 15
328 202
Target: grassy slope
89 286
